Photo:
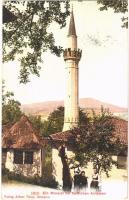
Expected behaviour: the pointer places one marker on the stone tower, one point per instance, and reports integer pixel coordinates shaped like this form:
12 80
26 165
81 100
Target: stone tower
72 57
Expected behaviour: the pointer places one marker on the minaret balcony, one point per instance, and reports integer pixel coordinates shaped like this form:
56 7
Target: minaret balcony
72 54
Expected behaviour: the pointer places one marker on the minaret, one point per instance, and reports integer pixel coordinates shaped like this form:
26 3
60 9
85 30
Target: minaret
72 57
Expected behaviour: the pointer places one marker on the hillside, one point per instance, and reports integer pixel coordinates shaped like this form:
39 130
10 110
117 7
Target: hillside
44 108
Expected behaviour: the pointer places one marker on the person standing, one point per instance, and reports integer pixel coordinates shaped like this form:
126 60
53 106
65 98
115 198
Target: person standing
95 180
76 179
83 181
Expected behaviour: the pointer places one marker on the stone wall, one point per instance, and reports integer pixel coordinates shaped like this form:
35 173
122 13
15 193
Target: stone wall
29 170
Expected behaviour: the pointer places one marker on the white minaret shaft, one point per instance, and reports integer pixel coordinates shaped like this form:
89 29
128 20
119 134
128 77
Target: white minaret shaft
72 56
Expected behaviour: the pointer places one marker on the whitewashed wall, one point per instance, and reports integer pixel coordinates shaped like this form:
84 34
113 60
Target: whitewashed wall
115 173
56 166
25 169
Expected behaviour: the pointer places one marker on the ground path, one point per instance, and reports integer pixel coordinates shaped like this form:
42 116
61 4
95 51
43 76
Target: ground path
111 190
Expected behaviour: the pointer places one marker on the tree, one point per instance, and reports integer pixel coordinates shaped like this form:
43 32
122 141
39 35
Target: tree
119 6
96 143
66 176
28 37
37 123
55 120
11 111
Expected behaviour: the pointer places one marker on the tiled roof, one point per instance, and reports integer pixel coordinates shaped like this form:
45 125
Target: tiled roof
62 136
6 128
21 135
121 131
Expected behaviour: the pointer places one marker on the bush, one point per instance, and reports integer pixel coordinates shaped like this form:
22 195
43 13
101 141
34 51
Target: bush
5 171
5 174
49 182
36 180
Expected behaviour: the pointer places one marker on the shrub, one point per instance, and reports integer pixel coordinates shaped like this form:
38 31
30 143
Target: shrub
36 180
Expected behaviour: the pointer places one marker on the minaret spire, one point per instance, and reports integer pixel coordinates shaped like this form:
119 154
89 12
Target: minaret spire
72 29
72 56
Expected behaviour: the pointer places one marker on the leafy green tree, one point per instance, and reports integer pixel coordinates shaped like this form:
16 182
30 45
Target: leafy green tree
96 143
37 123
11 111
28 37
55 120
84 118
119 6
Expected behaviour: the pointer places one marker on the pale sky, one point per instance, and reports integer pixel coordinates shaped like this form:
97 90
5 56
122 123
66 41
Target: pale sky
103 67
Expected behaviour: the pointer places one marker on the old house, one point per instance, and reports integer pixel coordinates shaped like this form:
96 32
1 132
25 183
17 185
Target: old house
22 149
121 131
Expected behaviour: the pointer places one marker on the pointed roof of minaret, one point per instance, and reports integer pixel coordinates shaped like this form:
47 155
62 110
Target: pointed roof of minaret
72 29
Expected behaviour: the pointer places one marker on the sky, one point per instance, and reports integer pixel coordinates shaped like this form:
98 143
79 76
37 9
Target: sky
103 67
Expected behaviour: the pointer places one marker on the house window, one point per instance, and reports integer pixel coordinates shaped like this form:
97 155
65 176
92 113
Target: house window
121 162
28 159
18 157
4 155
21 157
